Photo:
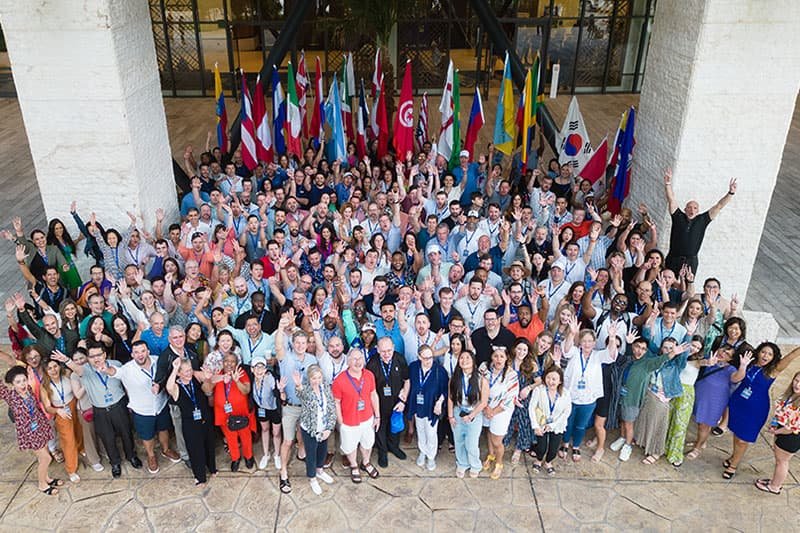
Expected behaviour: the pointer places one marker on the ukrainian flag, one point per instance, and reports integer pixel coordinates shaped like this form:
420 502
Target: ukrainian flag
505 125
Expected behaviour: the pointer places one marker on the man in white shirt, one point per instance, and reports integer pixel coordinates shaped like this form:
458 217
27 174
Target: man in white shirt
556 287
474 304
420 334
147 402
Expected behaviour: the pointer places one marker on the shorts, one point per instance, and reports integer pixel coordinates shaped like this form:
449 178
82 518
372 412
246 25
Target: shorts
273 416
601 408
351 436
498 424
629 413
289 420
147 426
788 443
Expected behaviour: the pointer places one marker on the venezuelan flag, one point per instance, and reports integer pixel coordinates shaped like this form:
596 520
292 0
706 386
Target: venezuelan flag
222 115
505 125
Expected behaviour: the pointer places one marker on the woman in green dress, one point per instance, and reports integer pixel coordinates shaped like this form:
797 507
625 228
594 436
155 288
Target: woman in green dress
58 236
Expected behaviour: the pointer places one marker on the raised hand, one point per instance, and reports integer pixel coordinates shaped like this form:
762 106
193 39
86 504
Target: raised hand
732 186
668 177
632 335
19 254
297 378
176 363
746 359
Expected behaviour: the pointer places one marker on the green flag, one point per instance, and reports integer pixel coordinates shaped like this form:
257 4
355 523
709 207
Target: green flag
454 159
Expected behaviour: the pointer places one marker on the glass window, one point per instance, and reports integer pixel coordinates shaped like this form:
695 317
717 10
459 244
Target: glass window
561 49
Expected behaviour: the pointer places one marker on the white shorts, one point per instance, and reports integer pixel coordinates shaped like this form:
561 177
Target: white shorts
351 436
498 425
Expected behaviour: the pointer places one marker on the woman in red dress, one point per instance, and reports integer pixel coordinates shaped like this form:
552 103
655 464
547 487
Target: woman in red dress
33 429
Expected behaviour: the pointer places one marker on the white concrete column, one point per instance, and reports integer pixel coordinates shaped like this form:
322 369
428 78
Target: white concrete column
719 90
88 86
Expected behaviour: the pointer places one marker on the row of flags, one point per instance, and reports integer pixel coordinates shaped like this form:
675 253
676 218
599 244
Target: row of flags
515 121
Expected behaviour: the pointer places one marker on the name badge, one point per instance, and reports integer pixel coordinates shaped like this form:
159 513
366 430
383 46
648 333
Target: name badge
228 407
361 405
108 398
197 415
746 392
581 385
420 398
262 413
548 420
387 391
34 425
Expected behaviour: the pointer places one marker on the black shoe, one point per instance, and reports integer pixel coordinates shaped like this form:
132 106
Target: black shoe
397 452
116 471
136 462
383 460
250 463
234 466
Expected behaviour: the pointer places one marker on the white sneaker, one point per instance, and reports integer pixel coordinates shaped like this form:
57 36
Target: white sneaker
625 453
315 488
277 462
617 444
431 464
421 460
98 467
75 478
325 477
262 464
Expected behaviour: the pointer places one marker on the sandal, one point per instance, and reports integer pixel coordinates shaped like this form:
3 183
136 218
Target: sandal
285 486
50 491
726 463
694 454
55 482
498 470
370 470
562 452
677 464
728 473
487 464
649 460
598 455
576 455
550 471
718 431
760 485
355 475
515 457
536 468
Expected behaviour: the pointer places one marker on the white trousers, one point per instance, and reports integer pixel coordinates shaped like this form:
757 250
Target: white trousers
427 437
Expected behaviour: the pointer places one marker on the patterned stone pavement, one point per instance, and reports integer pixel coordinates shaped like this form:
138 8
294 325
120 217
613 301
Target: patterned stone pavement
585 496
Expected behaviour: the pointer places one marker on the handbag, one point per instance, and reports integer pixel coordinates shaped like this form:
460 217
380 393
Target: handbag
237 422
88 414
540 418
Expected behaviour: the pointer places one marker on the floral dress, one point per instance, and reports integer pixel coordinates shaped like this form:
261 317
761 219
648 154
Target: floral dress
33 429
520 419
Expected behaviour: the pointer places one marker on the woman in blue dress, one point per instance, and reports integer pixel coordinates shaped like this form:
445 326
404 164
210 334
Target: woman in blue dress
749 404
528 375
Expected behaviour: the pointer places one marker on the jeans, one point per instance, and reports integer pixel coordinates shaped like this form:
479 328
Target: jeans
578 422
315 453
466 436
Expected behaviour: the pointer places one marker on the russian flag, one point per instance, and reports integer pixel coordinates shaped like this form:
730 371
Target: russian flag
476 121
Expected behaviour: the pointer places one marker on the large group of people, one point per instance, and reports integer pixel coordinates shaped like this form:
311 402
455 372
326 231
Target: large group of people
339 306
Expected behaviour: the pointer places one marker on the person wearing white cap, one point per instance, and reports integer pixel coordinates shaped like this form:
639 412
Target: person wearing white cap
469 172
438 266
266 397
556 287
470 235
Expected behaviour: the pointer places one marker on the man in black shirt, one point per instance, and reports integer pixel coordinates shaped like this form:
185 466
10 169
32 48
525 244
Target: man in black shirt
391 383
267 319
492 334
689 226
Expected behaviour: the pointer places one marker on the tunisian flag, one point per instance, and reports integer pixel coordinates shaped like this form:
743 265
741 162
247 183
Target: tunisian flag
404 120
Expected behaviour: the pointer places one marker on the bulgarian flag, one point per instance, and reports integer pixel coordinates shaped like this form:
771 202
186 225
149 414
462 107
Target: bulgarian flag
293 125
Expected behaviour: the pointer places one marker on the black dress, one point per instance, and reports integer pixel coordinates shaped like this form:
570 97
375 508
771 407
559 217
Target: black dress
197 434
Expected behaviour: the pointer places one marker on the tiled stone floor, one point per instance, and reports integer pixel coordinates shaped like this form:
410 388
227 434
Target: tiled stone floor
586 496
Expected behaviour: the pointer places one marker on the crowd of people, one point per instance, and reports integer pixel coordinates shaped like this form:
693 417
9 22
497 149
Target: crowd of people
320 306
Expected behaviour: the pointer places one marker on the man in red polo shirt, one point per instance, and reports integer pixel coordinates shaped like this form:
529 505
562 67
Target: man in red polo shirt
358 413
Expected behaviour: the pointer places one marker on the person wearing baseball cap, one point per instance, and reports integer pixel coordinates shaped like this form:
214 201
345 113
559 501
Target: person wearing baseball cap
555 286
266 397
469 172
437 262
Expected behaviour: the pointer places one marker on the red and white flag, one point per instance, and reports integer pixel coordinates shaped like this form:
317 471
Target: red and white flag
377 82
293 128
595 167
404 119
302 87
318 115
476 121
264 151
422 123
248 128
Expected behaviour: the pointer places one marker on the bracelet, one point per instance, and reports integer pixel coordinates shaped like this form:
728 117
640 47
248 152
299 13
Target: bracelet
731 193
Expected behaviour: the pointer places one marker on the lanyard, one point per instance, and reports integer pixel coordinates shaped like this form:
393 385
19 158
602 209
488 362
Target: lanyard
103 380
473 311
466 385
134 258
239 305
661 327
638 308
260 396
492 379
492 231
250 344
551 293
552 404
420 342
61 392
43 255
253 241
570 269
386 369
38 378
750 377
236 223
424 378
149 373
353 383
467 240
584 364
30 403
341 367
321 401
116 255
190 393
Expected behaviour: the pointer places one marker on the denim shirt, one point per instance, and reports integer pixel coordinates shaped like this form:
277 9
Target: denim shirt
670 373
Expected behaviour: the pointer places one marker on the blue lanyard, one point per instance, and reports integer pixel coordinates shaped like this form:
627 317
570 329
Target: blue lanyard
61 392
353 383
661 327
584 365
250 344
466 385
386 369
472 311
551 293
260 396
135 258
190 394
492 379
570 269
638 308
423 379
227 387
750 377
150 374
30 403
253 241
104 381
552 404
239 304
